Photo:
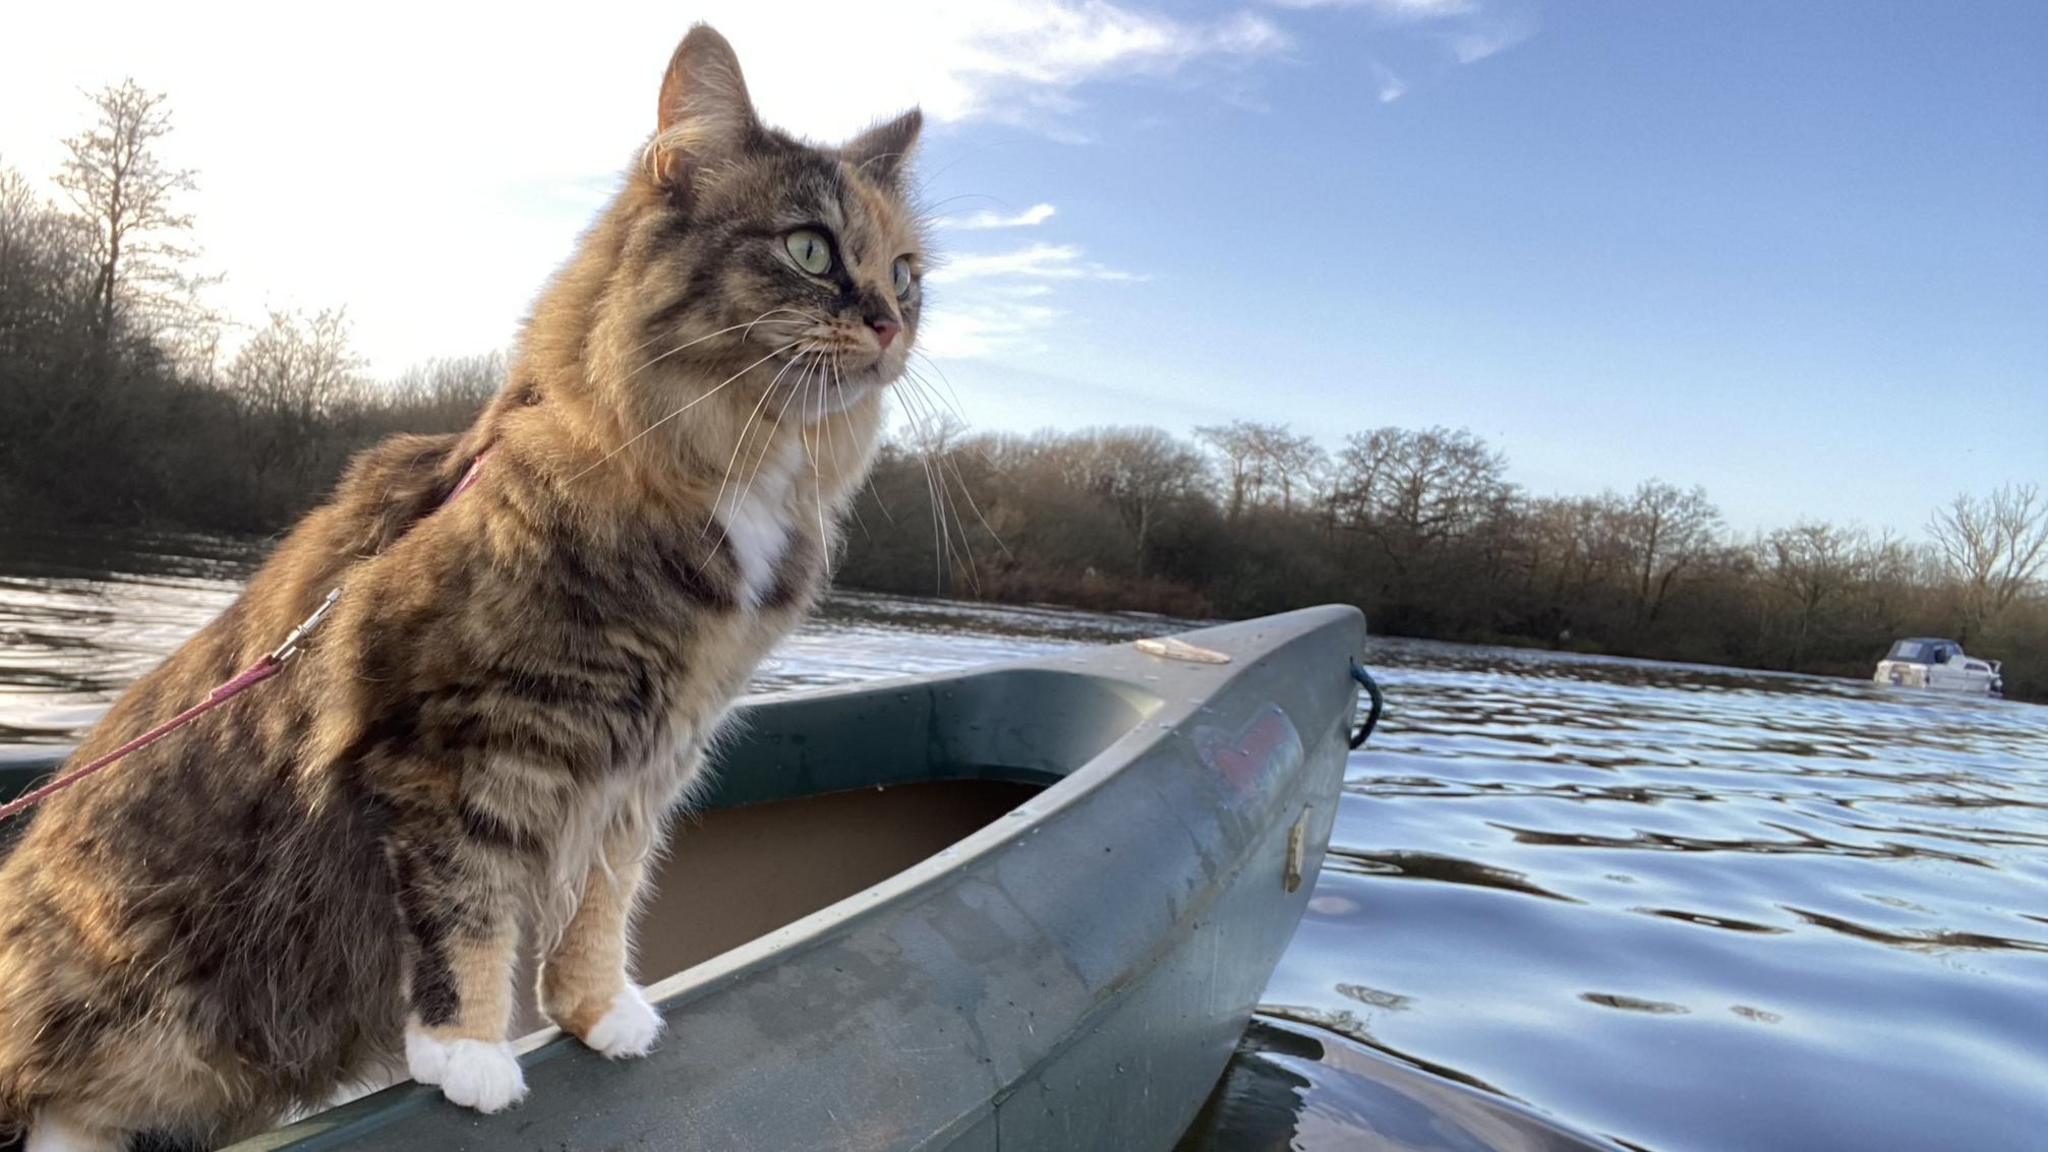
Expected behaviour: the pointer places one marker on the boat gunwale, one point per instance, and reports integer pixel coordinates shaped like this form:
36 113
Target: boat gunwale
1119 665
897 889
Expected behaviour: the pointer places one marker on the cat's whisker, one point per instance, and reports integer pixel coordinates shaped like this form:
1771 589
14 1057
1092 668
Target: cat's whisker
661 335
817 461
853 437
748 325
917 381
940 463
740 442
799 313
968 494
757 463
853 501
825 414
767 447
665 333
950 390
955 407
685 408
921 394
942 543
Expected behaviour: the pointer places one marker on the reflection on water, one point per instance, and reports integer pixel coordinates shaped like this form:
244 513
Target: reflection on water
1296 1083
1570 902
1679 907
80 618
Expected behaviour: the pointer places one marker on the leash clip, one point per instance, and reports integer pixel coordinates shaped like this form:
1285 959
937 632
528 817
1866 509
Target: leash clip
284 651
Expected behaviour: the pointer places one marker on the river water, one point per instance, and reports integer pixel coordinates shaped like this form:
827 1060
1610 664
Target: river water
1570 902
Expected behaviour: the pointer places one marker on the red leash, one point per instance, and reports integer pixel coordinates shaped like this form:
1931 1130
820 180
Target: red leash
270 665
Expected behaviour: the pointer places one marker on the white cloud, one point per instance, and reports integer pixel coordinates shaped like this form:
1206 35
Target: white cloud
997 319
1391 87
1058 44
992 303
989 218
1471 30
1490 37
1398 10
1035 262
428 167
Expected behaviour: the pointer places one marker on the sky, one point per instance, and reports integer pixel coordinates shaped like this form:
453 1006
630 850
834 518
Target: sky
1794 252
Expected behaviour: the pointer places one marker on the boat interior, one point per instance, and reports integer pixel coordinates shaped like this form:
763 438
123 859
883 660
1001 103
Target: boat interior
822 796
819 796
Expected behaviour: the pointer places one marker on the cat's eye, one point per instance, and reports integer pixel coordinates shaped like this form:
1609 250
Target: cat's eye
901 274
810 251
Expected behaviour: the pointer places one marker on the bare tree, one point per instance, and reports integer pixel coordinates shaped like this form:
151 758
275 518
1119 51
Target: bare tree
1891 575
1356 487
933 433
1238 444
1295 462
45 336
42 277
125 194
1666 530
1416 490
290 382
1996 548
1812 565
444 395
1264 460
1139 471
1570 547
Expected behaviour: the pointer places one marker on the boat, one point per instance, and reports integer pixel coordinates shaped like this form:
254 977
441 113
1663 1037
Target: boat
1931 662
1029 906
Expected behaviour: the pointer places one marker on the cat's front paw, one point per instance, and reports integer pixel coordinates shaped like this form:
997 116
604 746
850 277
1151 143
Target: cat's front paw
472 1073
483 1076
628 1028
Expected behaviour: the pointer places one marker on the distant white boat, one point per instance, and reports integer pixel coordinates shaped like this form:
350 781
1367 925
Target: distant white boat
1927 662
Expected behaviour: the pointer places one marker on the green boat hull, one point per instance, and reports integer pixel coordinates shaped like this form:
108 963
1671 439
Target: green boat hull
1025 907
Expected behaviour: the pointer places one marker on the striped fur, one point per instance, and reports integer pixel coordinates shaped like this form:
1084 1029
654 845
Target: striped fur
325 880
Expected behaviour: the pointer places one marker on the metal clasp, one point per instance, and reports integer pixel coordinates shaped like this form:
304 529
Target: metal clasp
291 642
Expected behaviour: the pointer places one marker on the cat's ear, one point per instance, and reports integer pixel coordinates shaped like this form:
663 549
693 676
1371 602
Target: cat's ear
882 153
705 111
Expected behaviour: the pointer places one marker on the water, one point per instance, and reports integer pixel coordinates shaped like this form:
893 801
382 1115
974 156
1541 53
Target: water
1570 902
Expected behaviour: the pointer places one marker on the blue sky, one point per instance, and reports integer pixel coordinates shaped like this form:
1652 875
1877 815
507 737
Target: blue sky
1796 252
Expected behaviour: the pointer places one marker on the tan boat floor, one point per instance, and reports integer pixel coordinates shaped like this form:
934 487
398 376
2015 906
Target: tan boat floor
735 874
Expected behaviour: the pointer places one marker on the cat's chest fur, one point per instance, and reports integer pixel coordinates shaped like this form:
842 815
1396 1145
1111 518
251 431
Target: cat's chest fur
760 520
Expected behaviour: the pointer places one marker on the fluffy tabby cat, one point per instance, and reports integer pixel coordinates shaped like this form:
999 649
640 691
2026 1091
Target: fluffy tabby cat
330 874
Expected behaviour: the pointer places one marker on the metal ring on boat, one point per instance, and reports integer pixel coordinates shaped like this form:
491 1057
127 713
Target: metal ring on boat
1379 702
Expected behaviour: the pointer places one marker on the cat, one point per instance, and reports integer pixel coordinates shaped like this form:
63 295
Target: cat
542 625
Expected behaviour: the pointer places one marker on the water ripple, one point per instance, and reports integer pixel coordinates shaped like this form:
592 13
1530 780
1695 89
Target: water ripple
1570 902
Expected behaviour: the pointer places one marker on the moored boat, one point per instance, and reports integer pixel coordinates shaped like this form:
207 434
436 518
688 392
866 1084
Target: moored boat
1930 662
1028 907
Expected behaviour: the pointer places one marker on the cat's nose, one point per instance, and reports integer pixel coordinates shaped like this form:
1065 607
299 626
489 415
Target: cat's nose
885 330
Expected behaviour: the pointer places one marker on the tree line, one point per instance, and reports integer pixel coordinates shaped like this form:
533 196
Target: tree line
1423 529
117 402
119 406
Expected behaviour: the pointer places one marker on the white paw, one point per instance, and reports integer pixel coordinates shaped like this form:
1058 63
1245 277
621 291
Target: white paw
482 1076
425 1057
627 1028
